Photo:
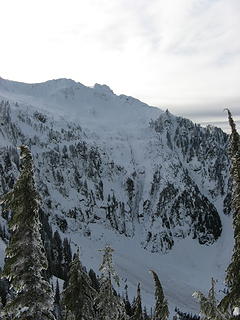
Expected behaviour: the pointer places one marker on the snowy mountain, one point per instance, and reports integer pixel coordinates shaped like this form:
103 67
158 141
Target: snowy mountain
112 169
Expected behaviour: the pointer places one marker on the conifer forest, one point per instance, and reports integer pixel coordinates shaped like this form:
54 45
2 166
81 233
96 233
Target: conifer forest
66 195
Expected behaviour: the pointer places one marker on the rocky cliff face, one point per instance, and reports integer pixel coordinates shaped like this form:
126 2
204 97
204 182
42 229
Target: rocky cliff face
112 160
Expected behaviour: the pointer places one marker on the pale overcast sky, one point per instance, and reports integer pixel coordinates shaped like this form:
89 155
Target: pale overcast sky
181 54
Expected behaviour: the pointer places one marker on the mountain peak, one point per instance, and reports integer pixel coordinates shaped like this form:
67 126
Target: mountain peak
103 88
111 169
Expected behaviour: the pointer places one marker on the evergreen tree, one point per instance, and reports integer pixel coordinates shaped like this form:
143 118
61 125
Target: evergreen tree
32 297
57 303
57 294
127 303
4 288
161 307
108 305
228 308
137 306
67 257
57 255
46 235
106 268
232 299
209 307
94 280
78 296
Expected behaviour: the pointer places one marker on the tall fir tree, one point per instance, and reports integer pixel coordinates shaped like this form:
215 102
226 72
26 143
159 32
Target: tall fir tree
57 294
67 257
209 308
106 268
229 306
128 307
94 280
78 297
137 306
161 306
57 302
232 299
108 305
31 295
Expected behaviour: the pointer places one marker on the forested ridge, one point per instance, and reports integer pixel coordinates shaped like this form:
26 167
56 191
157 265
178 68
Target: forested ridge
151 190
26 291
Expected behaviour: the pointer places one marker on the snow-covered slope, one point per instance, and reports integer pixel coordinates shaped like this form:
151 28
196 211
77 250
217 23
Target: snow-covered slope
111 169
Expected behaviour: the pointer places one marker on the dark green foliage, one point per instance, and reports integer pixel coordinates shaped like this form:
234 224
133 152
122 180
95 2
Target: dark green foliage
4 287
57 255
108 305
232 299
58 252
46 235
194 141
94 163
31 297
78 296
203 221
94 280
67 257
111 209
57 303
61 256
3 234
128 307
106 268
137 306
209 307
161 306
57 294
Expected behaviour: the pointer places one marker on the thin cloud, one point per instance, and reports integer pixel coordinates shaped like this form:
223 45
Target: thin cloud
182 53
